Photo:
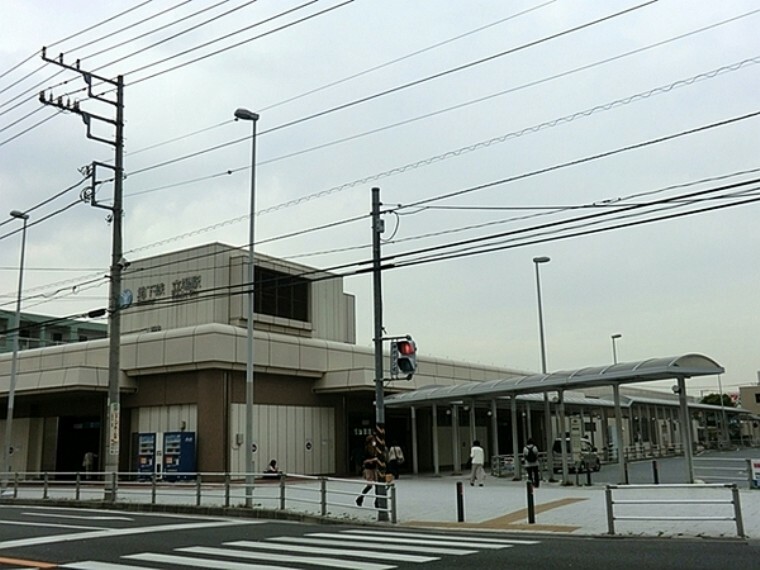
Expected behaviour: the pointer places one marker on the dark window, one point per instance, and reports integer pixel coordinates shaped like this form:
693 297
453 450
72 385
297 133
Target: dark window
281 295
57 337
757 398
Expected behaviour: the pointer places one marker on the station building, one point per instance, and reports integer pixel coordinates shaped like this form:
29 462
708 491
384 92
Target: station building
183 370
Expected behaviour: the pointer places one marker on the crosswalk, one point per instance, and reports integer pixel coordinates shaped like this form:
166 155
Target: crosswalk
356 549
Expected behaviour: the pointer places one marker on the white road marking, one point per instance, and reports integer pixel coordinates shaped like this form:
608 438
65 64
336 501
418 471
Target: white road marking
110 533
371 554
89 518
177 561
94 565
398 540
278 557
51 525
447 537
388 547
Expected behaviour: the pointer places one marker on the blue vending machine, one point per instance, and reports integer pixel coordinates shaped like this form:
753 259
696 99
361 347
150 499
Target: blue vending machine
179 455
146 455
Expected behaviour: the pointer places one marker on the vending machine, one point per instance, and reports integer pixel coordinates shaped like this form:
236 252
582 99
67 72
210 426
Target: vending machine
179 456
146 455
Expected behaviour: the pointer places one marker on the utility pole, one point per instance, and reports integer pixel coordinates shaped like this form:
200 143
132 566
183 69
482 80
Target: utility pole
378 227
117 263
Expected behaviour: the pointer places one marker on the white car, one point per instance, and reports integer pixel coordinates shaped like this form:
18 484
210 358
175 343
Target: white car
589 458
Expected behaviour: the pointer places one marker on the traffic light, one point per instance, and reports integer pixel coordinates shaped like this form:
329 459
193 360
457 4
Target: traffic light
406 356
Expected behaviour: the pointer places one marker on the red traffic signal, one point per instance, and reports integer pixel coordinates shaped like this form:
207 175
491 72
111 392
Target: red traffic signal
406 356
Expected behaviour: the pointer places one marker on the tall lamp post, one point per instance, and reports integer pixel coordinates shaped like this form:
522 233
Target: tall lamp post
614 337
547 407
250 464
14 362
618 416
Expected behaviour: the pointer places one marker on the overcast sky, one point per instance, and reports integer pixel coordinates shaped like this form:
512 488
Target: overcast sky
528 113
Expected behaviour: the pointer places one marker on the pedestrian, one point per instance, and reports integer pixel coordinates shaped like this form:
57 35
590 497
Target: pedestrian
88 462
477 458
530 455
395 458
372 466
271 472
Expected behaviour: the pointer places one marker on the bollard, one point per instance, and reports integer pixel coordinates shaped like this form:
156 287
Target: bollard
655 473
460 502
625 469
531 505
588 475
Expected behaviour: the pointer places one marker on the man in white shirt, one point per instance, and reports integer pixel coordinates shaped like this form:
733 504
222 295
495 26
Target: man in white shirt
478 458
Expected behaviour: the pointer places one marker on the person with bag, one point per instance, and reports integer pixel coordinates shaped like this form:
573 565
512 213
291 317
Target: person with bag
395 459
530 455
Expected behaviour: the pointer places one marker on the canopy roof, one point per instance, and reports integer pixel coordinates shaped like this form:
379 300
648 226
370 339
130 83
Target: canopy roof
648 370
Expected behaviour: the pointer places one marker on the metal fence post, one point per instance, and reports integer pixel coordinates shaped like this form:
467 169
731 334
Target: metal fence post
460 502
323 495
749 472
655 472
153 489
737 511
282 491
45 485
15 484
113 487
610 512
78 487
226 489
531 506
394 513
198 490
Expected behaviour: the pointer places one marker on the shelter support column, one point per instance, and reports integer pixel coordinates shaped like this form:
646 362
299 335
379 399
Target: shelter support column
456 447
619 434
415 463
563 439
515 440
473 427
529 419
549 437
494 428
686 430
436 455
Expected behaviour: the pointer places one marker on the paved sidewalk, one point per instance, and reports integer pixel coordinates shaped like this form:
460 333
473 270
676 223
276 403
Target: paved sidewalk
578 510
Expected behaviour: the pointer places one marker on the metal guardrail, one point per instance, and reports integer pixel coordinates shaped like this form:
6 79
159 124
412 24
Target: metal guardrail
305 494
725 469
660 490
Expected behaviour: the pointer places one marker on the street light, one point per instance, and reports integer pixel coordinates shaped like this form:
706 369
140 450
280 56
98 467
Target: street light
547 407
537 261
14 362
614 337
250 465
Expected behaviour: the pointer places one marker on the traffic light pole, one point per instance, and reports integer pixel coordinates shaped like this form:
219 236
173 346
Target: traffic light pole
377 228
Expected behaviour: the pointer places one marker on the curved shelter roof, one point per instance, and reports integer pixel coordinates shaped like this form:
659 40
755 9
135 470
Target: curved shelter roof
684 366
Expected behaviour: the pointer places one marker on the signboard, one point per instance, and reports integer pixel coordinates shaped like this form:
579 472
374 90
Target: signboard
755 465
113 429
576 430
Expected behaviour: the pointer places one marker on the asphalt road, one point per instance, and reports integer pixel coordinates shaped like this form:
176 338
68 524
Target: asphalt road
42 537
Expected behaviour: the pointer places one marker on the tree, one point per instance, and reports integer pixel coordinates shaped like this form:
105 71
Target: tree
715 400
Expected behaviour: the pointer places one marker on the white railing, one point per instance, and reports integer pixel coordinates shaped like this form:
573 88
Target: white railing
644 507
329 497
725 470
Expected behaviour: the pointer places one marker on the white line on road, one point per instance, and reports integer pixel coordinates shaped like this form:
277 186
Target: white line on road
388 547
278 557
85 517
176 561
371 554
110 533
93 565
51 525
433 541
448 537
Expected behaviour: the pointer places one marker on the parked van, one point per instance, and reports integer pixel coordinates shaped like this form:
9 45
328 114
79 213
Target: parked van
589 456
